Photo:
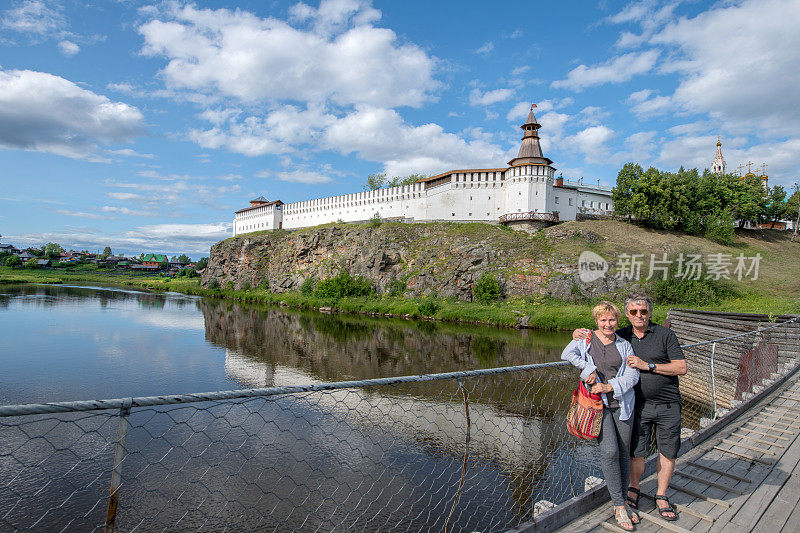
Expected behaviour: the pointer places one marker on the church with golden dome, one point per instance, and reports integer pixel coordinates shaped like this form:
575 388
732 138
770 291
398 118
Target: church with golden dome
719 167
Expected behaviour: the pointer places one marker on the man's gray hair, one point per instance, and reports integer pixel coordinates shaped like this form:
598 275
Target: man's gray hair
637 298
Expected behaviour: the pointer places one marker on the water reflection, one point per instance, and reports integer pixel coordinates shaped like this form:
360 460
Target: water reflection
397 450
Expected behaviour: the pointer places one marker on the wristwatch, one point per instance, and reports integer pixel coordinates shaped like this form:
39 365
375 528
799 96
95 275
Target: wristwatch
652 367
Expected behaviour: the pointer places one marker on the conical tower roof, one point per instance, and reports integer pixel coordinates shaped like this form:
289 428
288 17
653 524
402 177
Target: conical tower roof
530 151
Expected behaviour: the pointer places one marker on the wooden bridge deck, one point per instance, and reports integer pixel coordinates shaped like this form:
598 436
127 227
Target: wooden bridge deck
745 478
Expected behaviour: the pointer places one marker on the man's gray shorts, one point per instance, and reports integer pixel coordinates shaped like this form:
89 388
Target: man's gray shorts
666 418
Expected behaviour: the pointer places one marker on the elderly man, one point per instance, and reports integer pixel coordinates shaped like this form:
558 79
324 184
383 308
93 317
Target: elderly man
660 360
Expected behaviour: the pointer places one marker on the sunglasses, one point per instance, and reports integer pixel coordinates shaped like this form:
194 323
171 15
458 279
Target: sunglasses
634 312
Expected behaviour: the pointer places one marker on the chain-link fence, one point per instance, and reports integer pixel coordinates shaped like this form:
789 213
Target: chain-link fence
462 451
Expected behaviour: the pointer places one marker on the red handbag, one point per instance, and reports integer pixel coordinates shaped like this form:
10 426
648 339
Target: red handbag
585 415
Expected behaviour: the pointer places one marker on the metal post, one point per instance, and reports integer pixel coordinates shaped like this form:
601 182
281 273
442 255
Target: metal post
713 384
116 471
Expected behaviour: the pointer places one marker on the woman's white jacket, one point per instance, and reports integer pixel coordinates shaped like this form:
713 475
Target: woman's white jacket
578 353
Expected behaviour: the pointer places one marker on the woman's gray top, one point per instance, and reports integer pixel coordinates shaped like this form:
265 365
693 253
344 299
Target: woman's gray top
607 359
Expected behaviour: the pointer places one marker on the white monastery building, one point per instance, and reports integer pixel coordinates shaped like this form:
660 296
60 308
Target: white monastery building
525 190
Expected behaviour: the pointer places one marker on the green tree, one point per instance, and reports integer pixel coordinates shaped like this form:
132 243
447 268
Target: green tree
406 180
52 250
622 194
776 205
374 182
106 252
202 263
185 259
13 261
31 263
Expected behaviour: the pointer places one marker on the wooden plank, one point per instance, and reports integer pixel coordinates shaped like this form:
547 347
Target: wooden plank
719 472
782 409
745 456
780 419
710 483
765 434
690 492
762 497
746 447
754 439
663 523
764 426
612 527
684 509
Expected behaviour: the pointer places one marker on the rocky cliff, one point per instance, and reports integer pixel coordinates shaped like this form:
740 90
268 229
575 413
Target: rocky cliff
441 258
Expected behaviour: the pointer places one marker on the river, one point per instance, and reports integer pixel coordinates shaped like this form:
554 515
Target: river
366 459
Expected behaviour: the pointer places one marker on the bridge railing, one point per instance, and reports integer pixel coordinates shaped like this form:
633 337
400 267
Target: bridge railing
459 451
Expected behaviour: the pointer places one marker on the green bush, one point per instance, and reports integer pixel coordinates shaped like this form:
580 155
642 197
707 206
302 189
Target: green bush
191 273
31 263
13 261
688 291
307 287
428 307
343 285
396 287
720 228
245 286
213 284
487 289
264 285
375 221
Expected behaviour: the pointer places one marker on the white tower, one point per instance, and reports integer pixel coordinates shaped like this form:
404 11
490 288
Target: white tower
719 162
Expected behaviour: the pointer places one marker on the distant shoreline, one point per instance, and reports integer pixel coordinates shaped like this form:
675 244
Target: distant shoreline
542 313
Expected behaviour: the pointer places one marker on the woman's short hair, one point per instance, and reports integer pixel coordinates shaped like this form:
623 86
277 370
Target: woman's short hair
604 308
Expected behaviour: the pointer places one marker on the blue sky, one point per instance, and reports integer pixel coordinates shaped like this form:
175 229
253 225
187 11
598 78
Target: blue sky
144 126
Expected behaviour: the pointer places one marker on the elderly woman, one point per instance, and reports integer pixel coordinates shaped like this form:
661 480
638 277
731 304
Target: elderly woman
602 363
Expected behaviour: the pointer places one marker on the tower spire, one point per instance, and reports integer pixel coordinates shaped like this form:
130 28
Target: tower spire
530 151
719 165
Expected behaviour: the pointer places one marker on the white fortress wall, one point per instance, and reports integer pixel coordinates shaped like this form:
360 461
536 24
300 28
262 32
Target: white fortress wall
528 185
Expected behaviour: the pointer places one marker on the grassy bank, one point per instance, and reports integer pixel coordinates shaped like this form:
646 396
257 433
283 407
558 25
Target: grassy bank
544 313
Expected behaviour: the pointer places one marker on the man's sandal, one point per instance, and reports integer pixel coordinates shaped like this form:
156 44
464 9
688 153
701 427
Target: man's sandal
668 509
623 520
633 503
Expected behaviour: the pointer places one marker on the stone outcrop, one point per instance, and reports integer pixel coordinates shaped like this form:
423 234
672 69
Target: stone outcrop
437 258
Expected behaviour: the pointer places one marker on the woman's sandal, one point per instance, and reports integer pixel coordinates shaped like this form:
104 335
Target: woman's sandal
623 519
668 509
633 503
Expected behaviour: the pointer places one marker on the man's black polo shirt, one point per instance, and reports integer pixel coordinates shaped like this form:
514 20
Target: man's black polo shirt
659 345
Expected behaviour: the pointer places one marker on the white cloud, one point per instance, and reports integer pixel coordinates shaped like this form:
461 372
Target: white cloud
521 109
593 115
591 142
486 49
172 239
127 152
79 214
170 190
749 78
234 53
279 132
615 70
335 15
68 48
519 71
479 99
643 105
126 211
382 135
34 17
47 113
297 176
650 15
